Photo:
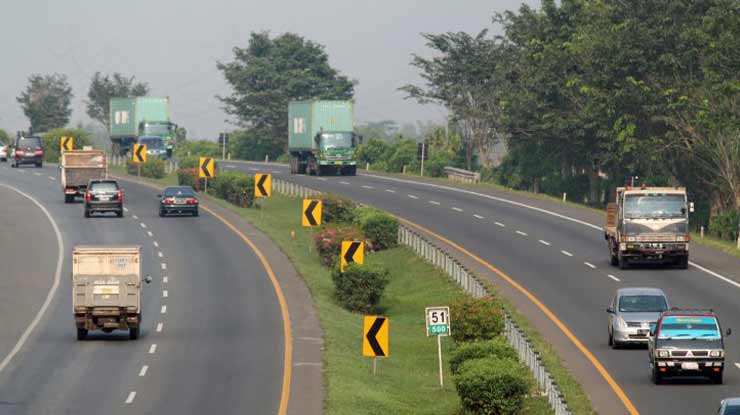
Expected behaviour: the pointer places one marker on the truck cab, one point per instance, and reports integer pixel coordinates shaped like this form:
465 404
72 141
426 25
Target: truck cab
163 130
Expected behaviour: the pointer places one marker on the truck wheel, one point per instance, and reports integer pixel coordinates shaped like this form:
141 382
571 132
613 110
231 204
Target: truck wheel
656 377
682 262
622 262
119 213
133 333
293 164
352 171
87 213
81 334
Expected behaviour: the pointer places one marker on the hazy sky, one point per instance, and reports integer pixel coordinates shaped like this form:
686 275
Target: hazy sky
174 45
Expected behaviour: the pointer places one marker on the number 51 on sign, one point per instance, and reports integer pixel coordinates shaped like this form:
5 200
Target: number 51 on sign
438 324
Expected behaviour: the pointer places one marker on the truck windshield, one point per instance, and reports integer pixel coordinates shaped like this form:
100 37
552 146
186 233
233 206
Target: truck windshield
158 129
152 142
336 140
654 206
642 304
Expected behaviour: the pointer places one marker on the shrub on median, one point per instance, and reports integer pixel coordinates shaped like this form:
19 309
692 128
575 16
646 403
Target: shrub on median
234 187
380 228
360 287
152 168
189 177
492 386
337 209
497 348
476 318
328 242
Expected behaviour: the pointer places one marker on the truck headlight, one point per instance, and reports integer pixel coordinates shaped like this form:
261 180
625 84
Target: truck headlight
631 239
663 353
681 238
716 353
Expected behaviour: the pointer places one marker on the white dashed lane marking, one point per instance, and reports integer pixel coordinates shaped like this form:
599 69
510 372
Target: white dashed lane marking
456 209
165 280
478 216
737 365
149 233
164 309
52 178
521 233
390 190
160 326
143 225
544 242
135 217
613 277
321 178
344 182
413 197
156 244
125 209
143 370
590 265
160 254
153 349
37 173
367 187
130 398
434 202
164 266
500 224
566 253
165 294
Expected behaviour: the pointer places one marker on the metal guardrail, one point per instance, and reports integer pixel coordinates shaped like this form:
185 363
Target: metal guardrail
472 285
460 175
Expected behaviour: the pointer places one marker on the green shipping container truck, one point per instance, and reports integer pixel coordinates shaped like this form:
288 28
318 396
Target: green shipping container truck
321 138
131 118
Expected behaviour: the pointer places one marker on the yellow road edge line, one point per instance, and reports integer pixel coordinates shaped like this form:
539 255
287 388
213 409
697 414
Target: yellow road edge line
545 310
288 356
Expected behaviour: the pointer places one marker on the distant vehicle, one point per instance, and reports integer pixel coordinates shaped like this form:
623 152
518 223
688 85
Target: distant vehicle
648 224
631 314
4 153
28 150
103 195
155 147
132 118
321 138
77 168
729 406
687 343
178 200
106 284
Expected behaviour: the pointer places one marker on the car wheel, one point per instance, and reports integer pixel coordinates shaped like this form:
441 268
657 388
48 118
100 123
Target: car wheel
161 213
87 213
622 262
133 333
81 334
656 377
67 199
611 340
119 213
195 212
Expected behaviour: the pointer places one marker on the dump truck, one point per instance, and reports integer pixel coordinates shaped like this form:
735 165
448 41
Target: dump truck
106 289
131 118
77 167
321 138
648 224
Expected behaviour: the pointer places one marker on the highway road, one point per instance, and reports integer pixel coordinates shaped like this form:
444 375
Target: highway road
559 254
212 338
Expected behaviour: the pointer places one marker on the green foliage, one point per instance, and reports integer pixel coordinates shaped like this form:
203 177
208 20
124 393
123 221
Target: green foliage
476 319
435 166
360 287
374 150
46 101
380 228
52 141
234 187
5 137
189 177
725 225
153 168
270 72
496 348
253 144
492 386
190 162
105 87
337 209
404 154
328 242
198 148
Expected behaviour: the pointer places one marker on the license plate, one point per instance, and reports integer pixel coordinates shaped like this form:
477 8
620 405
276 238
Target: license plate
690 366
339 163
105 290
179 201
104 198
642 332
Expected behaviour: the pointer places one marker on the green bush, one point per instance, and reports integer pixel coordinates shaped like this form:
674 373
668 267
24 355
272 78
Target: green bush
189 177
152 168
476 319
189 162
724 226
51 141
492 386
328 242
497 348
360 287
380 228
435 166
404 155
337 209
234 187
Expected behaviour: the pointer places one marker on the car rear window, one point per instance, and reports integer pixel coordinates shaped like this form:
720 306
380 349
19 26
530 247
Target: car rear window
732 410
104 187
179 191
29 142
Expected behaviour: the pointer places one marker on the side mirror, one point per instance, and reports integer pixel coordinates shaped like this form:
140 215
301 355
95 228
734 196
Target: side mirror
729 332
317 139
610 310
652 330
691 207
159 196
148 279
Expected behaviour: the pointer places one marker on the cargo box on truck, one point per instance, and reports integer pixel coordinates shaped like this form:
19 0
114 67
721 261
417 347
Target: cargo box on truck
131 118
77 167
321 138
106 289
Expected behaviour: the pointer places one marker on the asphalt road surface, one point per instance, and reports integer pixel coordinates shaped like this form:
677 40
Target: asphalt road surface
212 337
559 254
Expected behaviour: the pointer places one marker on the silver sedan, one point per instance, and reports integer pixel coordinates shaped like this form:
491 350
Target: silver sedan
632 312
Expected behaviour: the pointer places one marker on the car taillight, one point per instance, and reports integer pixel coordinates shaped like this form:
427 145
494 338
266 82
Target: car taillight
38 153
167 201
119 195
191 201
19 153
88 196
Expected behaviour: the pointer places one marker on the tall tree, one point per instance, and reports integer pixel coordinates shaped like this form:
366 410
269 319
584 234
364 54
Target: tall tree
269 73
105 87
46 101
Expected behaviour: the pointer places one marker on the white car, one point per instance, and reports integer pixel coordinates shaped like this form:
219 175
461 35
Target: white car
4 153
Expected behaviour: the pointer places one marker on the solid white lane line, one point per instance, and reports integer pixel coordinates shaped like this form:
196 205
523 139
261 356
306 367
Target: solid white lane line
156 244
478 216
253 169
149 233
456 209
544 242
566 253
52 178
367 187
135 217
590 265
131 397
413 197
521 233
153 349
55 284
160 326
344 182
500 224
160 254
323 179
164 309
143 370
143 225
165 280
714 274
434 202
737 365
164 265
37 173
165 294
613 277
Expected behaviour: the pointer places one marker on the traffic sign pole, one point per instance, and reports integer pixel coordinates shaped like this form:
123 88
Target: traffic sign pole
422 158
439 355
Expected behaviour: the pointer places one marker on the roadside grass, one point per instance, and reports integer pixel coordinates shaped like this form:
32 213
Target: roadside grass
168 180
723 245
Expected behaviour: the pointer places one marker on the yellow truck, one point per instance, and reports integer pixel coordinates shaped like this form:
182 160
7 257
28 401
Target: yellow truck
106 289
648 224
77 168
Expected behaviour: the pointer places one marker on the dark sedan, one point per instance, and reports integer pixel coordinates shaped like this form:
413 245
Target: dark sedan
179 200
103 196
28 150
